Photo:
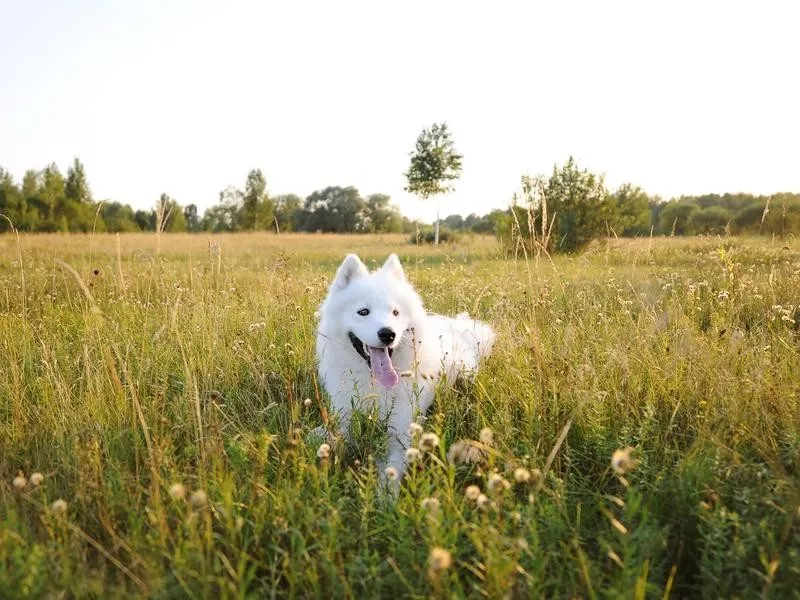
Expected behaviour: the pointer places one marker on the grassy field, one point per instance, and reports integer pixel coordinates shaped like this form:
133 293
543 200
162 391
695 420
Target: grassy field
157 387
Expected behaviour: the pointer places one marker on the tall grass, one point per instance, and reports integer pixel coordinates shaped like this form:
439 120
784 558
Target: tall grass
165 390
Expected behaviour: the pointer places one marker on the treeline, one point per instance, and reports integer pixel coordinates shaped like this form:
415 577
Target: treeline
562 212
46 200
571 207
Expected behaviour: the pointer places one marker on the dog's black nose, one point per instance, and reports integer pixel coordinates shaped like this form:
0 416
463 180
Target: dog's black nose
386 335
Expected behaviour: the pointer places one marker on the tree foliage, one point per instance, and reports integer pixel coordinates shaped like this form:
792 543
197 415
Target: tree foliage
45 200
435 165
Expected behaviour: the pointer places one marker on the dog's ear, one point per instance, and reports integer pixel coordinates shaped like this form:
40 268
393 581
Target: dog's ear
350 269
393 267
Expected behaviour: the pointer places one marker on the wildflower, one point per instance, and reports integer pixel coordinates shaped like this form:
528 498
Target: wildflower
307 402
414 429
497 483
439 560
413 455
59 506
472 492
621 461
20 482
391 473
431 505
177 491
464 451
198 499
323 452
536 476
428 442
483 502
522 475
486 436
37 479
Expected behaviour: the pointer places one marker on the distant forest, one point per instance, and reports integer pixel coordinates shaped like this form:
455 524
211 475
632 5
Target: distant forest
46 200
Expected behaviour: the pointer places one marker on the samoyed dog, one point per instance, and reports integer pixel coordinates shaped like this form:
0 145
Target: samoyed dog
377 345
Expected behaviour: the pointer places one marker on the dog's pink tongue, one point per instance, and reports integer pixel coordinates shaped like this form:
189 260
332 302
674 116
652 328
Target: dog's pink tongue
382 367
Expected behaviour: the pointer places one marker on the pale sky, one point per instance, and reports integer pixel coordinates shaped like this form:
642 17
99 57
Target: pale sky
186 97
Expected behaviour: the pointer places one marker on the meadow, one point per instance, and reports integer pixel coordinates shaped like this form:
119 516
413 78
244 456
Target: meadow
636 430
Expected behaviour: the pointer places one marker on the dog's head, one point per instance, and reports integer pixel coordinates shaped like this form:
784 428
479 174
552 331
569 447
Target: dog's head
373 312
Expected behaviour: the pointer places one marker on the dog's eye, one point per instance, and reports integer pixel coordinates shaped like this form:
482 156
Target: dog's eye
364 312
395 312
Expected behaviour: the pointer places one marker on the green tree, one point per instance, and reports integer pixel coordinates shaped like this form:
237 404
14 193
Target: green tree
169 215
435 164
712 220
454 222
12 203
225 215
257 210
118 217
676 217
51 196
334 209
193 222
77 186
287 208
380 215
145 220
583 209
632 210
77 206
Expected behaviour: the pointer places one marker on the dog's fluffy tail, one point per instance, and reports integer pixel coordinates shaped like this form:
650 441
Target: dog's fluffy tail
464 343
484 335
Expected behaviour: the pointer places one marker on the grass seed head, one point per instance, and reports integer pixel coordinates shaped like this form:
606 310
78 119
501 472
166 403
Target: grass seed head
622 462
439 560
413 455
177 491
324 451
464 452
20 482
198 499
37 479
59 506
497 483
486 436
430 505
472 492
428 442
414 429
522 475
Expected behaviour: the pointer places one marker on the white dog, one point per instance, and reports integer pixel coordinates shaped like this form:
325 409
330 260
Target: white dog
377 344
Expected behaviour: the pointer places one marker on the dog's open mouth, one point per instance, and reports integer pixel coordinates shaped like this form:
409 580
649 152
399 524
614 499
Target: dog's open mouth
379 361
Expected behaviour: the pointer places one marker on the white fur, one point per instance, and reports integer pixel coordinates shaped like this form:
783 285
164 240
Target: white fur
427 347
